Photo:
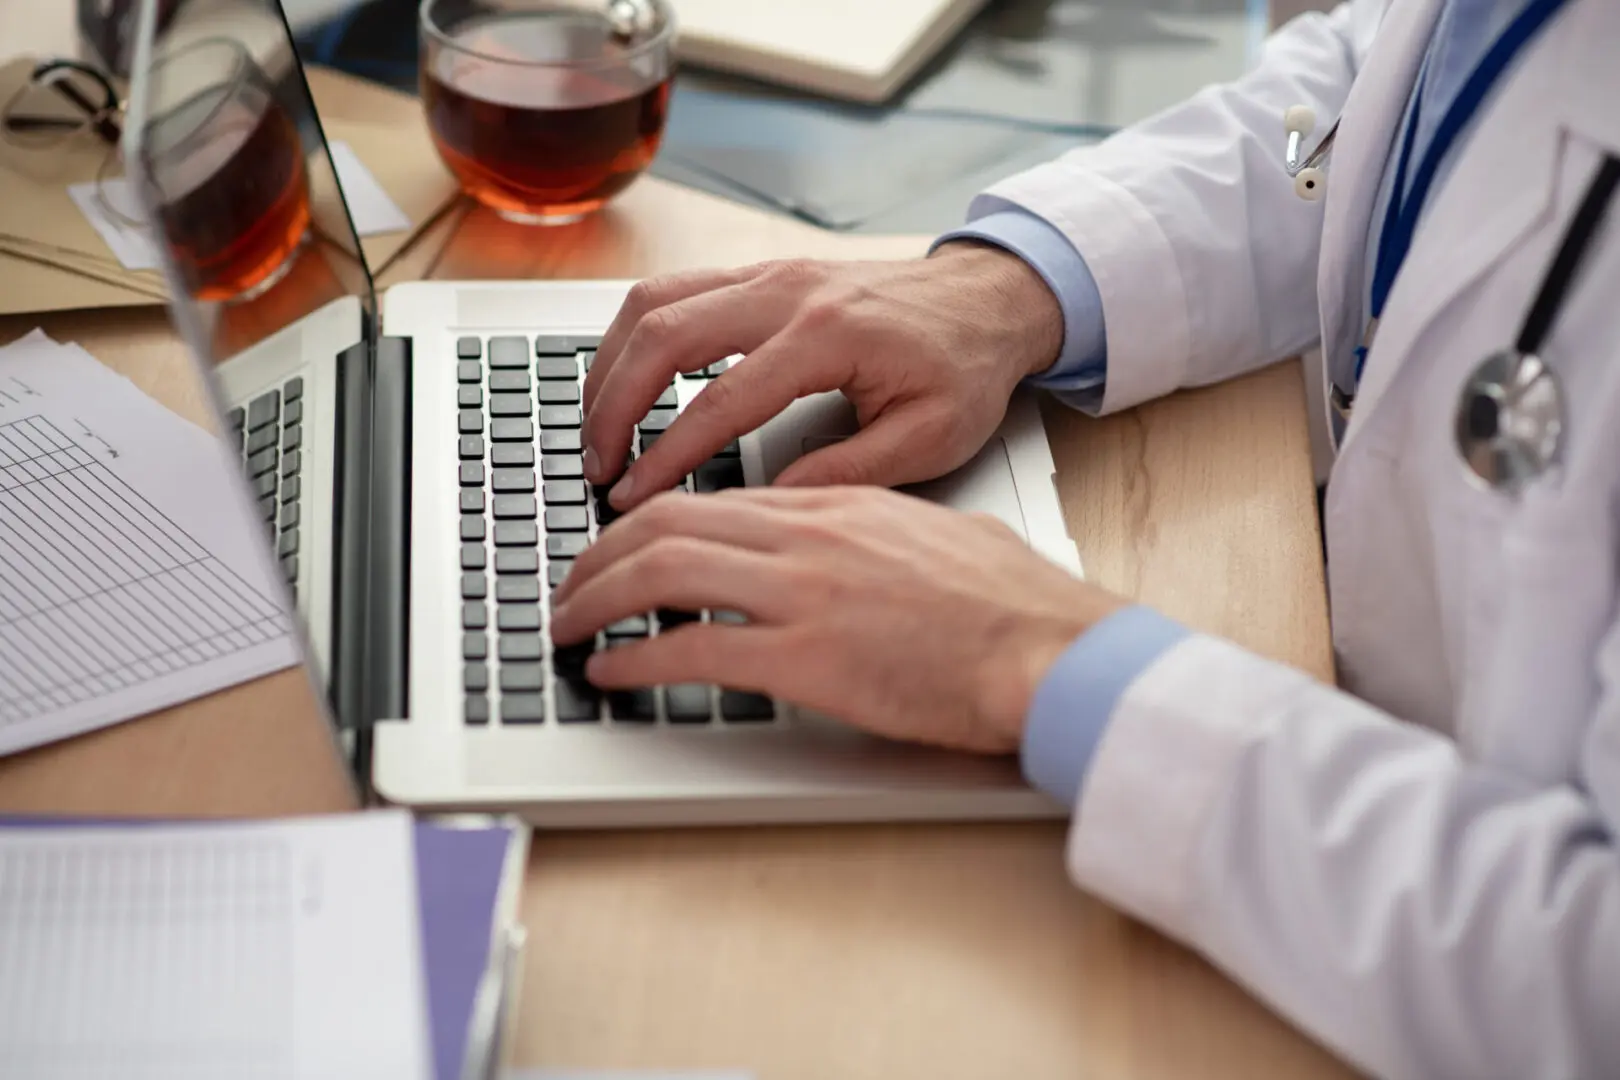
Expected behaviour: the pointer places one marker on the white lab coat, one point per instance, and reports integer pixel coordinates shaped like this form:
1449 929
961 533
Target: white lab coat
1421 868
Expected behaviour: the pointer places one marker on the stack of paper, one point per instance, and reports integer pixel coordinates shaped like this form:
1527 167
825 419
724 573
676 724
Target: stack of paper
124 586
359 946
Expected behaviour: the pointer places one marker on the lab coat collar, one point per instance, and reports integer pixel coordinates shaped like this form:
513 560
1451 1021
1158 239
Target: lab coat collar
1586 100
1502 188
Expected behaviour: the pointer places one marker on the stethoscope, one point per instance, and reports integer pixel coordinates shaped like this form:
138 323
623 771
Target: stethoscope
1511 410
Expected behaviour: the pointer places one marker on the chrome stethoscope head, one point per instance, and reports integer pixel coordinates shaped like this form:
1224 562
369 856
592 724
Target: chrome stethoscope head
1309 173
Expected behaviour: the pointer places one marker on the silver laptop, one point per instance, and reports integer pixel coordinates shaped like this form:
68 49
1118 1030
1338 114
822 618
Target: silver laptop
418 471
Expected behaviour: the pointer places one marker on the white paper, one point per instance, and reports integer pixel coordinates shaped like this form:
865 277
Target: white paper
369 205
263 951
131 576
132 243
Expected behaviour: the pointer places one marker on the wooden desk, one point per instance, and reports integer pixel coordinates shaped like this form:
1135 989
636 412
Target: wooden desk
854 952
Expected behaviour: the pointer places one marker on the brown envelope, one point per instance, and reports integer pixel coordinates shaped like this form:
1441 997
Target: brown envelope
52 259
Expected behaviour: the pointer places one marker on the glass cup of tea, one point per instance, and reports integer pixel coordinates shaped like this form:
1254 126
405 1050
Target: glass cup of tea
545 109
226 163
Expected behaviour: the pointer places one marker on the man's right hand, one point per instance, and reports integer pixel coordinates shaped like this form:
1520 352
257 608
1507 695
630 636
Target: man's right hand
928 351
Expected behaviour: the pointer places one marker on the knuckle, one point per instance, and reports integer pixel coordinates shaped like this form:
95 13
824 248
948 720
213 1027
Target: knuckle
644 294
658 329
793 272
717 400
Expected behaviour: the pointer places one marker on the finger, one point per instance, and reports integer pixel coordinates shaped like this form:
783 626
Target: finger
649 295
731 406
733 522
899 446
680 573
683 336
753 658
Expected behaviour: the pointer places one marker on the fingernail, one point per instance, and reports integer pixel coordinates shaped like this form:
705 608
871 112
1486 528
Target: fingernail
621 491
593 465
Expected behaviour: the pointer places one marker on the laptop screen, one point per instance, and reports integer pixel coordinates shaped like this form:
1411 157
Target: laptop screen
236 175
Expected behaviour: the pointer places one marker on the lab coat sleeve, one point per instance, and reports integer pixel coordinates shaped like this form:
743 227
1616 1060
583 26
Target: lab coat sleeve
1424 915
1204 257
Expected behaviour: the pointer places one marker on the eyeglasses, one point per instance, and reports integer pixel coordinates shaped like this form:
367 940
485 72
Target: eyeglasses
65 100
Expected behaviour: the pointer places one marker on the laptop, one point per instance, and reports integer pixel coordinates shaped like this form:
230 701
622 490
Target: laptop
416 464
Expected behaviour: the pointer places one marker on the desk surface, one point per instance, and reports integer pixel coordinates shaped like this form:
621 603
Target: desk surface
856 952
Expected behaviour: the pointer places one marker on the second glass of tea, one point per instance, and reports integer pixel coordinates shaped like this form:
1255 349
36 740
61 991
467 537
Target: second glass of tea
545 109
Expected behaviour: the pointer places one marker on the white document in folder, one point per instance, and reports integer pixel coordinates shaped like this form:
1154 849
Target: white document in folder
263 951
131 577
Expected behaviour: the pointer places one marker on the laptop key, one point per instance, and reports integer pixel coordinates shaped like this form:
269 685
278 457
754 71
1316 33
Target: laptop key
473 557
469 371
648 438
730 450
557 571
470 421
292 413
562 466
578 702
633 627
508 352
292 438
561 519
264 485
289 567
472 527
292 463
718 475
476 709
469 348
560 441
507 382
513 479
516 561
287 545
292 389
566 545
289 516
469 397
472 474
475 678
687 703
716 369
668 399
475 645
290 489
514 506
521 677
260 439
557 392
516 534
263 410
237 417
517 590
511 455
560 416
564 344
658 420
739 707
518 617
474 615
523 709
472 500
510 405
564 492
669 619
267 508
556 367
474 585
512 429
587 357
520 647
568 661
471 448
633 706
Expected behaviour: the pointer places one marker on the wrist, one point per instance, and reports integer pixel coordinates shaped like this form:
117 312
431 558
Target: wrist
1016 671
1027 318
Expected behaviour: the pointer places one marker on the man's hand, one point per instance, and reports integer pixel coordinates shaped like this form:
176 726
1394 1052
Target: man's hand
896 615
928 351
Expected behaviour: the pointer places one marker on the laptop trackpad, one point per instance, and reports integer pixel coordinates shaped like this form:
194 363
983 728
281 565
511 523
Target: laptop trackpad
983 485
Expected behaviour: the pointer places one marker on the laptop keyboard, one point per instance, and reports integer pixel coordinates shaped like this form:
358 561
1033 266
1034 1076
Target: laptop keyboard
270 436
526 514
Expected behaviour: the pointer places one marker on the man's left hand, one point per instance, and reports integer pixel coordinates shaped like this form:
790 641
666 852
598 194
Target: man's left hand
896 615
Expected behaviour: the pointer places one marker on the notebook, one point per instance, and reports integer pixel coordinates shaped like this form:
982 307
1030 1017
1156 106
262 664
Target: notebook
241 948
853 49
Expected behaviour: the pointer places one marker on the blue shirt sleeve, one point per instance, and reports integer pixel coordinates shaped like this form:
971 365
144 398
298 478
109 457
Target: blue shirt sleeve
1075 700
1082 365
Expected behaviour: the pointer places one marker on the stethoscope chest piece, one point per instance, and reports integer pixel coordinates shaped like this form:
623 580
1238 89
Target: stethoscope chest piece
1510 420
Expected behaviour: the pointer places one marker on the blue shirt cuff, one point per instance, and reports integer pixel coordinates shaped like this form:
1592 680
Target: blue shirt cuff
1082 364
1075 700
